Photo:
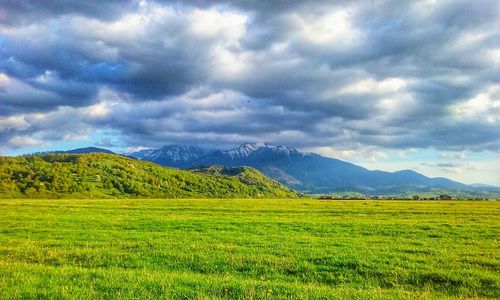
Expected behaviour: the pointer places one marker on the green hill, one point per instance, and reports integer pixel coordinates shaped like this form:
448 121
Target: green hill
247 175
101 175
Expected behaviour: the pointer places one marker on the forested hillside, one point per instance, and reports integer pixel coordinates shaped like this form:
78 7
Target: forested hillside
247 175
100 175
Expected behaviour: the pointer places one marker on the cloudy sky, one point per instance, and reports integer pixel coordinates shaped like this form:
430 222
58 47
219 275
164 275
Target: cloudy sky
384 84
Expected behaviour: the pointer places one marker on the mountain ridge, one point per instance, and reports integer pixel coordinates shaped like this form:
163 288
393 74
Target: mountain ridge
82 150
171 155
306 172
313 173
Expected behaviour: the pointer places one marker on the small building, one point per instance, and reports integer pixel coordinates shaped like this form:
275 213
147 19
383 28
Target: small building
444 197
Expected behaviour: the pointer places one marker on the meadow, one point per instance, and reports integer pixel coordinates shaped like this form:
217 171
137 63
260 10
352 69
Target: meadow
249 249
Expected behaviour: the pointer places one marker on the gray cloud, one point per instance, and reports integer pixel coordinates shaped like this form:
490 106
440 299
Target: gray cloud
391 74
27 11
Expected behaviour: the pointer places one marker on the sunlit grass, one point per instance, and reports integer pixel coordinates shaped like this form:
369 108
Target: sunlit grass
248 249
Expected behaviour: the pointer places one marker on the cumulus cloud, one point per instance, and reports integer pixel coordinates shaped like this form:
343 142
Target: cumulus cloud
341 77
21 141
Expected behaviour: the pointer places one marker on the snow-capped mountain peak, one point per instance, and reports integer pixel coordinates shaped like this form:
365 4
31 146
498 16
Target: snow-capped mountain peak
247 149
176 155
284 149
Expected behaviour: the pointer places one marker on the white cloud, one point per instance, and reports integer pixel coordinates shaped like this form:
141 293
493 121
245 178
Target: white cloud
98 111
13 122
495 56
484 107
4 79
332 28
386 86
211 23
129 150
24 141
361 154
229 64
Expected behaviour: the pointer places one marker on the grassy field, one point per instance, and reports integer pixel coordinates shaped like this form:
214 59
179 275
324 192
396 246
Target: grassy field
249 249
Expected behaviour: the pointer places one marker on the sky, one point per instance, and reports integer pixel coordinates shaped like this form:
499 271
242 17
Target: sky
387 85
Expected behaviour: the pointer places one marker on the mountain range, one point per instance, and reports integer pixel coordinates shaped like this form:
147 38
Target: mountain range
171 156
306 172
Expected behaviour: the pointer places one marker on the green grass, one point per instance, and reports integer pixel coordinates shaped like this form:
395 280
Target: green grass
249 249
